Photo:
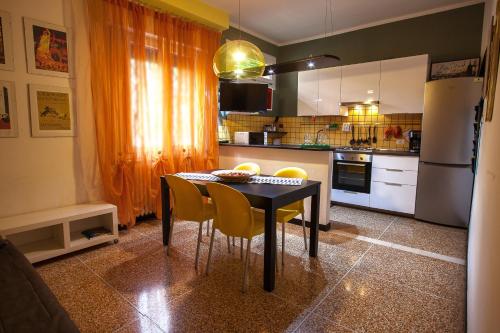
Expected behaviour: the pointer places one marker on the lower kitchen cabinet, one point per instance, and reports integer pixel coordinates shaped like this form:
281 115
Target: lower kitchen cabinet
350 197
393 185
394 197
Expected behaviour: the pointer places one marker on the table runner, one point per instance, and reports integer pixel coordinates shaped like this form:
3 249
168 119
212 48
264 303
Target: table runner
252 180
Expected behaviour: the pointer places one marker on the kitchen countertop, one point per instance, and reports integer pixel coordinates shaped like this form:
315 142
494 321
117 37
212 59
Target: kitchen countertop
332 148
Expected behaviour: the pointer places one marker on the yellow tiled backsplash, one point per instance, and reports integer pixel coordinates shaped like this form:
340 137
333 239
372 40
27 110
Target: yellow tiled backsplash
298 127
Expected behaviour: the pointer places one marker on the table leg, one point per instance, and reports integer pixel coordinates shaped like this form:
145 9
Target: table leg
165 210
270 248
313 240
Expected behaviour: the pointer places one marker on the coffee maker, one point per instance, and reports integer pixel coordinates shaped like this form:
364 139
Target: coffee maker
414 137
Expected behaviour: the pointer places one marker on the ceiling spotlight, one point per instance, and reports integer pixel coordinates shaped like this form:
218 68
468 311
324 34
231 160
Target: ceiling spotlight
310 64
270 71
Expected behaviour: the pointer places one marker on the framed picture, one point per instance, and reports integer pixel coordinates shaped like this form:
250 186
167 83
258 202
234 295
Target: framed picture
492 67
51 111
445 70
6 53
48 48
8 114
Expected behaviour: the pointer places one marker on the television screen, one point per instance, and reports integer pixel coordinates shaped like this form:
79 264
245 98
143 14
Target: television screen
249 97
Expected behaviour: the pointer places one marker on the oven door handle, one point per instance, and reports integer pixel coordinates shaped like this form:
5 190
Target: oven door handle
354 164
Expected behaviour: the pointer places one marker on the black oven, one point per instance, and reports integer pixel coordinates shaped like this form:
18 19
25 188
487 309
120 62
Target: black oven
352 172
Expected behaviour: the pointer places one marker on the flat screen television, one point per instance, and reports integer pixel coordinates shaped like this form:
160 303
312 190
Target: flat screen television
249 97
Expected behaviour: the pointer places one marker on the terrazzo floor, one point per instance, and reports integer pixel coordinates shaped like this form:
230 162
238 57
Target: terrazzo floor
374 273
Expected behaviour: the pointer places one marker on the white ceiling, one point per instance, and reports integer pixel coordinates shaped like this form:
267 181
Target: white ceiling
289 21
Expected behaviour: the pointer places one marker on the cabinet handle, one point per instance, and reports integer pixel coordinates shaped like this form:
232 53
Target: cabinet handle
393 184
395 170
350 192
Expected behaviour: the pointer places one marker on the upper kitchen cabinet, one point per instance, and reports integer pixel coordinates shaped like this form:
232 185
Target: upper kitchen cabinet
307 93
402 83
360 82
319 92
329 91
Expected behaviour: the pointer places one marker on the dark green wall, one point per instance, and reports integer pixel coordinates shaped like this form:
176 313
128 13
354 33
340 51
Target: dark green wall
445 36
266 47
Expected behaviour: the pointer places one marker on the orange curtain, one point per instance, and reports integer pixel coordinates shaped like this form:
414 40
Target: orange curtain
155 100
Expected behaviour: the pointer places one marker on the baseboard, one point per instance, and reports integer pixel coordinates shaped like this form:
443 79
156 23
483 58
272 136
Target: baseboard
322 227
336 203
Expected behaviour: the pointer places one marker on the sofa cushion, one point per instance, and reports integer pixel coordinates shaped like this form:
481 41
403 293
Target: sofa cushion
27 304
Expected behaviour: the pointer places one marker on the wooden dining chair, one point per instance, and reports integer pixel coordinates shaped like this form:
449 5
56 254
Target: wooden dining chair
234 217
288 212
189 205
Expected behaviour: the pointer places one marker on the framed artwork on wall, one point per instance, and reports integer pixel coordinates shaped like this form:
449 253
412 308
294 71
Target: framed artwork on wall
492 67
48 48
8 113
6 53
51 111
445 70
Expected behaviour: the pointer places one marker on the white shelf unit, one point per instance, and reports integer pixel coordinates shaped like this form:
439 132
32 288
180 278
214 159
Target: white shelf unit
50 233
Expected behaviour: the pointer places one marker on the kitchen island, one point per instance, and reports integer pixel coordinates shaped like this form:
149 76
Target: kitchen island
317 163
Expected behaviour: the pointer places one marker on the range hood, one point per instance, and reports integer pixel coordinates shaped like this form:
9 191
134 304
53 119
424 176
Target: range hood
305 64
362 103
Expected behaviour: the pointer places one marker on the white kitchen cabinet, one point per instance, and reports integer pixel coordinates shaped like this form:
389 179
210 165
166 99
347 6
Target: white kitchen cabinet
349 197
402 83
394 183
360 82
319 92
393 197
396 176
395 162
307 93
329 91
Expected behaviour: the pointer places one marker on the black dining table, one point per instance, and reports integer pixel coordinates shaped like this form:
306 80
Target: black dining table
268 197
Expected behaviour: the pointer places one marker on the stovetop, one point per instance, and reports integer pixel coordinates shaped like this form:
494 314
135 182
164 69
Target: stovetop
355 149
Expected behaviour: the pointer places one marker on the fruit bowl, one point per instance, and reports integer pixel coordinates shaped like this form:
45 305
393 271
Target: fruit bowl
238 176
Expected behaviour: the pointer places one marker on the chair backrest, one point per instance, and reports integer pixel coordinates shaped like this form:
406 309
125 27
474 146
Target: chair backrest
291 172
188 201
233 211
249 166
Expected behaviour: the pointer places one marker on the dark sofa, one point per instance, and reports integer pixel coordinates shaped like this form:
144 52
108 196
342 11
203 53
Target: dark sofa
26 303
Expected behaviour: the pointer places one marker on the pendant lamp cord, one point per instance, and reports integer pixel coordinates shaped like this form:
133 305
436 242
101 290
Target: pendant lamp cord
239 17
331 16
328 8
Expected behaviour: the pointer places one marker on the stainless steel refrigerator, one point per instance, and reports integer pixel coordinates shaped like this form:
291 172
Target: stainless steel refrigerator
445 178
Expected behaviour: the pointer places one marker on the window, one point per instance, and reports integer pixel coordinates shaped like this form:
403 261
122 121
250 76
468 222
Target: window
147 107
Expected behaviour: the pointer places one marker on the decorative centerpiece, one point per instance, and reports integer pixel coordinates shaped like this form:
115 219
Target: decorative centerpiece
234 176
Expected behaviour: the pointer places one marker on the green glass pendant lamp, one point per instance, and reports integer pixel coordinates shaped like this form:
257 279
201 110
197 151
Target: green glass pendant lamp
238 59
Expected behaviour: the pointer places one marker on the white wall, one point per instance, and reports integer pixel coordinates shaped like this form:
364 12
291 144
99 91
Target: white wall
483 287
39 173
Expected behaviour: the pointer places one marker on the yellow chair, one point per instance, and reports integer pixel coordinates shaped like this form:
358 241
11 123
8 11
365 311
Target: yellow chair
234 217
249 166
288 212
189 205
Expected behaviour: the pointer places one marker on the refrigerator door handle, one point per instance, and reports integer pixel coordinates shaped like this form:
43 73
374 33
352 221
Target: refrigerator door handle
448 165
